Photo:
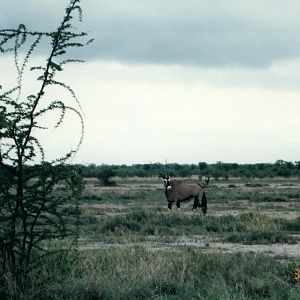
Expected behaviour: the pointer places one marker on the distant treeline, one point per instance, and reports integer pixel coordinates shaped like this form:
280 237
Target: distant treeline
217 170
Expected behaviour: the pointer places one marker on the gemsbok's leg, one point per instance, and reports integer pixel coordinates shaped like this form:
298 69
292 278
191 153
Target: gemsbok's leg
196 202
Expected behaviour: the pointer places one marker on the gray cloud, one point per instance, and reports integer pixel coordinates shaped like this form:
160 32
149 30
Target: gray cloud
194 32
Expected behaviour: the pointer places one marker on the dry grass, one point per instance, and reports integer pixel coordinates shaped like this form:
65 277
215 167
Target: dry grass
132 247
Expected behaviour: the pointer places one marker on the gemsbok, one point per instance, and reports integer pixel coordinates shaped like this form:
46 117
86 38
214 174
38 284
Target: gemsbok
177 191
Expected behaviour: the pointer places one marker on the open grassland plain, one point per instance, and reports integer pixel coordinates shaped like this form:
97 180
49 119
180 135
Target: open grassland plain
246 247
130 246
257 215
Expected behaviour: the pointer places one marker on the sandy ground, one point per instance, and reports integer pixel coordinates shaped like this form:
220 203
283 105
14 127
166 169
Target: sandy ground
204 244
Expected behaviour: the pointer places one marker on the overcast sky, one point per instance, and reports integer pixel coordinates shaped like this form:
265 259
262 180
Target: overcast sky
190 81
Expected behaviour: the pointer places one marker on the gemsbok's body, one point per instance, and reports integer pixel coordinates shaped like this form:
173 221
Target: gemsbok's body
177 191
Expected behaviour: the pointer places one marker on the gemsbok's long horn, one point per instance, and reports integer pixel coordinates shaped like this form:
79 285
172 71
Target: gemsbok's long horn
161 175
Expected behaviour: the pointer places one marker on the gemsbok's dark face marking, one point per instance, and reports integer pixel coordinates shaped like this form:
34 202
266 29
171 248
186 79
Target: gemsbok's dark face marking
177 191
167 183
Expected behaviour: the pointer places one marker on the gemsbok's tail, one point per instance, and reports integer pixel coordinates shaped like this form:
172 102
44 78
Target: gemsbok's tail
204 203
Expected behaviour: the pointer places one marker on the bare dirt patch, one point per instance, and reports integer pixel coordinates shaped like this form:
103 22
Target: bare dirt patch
205 244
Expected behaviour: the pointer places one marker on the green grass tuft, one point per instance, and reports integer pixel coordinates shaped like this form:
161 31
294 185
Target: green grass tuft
261 237
135 273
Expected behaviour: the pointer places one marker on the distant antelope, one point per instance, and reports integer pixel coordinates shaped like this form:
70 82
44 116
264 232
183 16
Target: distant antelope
177 191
